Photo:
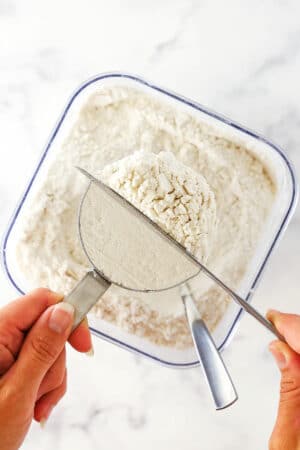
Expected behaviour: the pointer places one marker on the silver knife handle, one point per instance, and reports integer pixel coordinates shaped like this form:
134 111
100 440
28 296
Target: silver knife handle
86 294
216 374
218 378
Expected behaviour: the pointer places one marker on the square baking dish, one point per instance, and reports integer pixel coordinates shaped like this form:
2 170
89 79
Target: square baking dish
278 164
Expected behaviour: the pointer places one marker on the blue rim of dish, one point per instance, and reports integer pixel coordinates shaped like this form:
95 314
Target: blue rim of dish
204 110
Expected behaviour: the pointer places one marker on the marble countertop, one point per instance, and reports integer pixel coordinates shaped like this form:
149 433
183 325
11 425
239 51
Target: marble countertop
241 59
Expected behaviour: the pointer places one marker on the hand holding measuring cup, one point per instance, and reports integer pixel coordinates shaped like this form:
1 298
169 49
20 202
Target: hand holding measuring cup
33 378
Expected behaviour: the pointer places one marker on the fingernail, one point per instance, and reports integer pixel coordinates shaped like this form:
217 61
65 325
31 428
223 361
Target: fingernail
278 352
43 421
273 315
58 296
91 352
61 317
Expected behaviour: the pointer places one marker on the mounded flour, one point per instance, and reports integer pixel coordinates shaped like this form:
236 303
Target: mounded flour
171 194
238 194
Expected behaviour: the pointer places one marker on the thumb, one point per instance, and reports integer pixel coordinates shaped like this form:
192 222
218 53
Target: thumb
42 346
288 325
288 420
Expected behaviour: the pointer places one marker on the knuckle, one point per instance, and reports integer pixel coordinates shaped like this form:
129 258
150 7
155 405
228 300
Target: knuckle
5 393
8 393
289 388
43 349
288 385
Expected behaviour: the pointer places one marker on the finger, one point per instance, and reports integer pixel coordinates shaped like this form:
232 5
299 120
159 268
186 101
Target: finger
45 404
81 339
19 315
55 375
23 312
43 344
6 359
288 325
288 417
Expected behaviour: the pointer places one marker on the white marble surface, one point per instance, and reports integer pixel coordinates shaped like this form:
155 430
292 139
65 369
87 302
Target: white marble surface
239 58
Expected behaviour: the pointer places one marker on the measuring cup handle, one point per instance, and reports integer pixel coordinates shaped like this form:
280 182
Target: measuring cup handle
86 294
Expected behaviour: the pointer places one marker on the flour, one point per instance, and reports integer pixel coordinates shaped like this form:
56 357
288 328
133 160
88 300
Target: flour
113 123
175 197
